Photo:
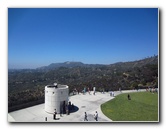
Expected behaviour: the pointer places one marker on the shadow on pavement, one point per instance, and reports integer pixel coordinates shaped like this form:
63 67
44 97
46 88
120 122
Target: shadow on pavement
74 109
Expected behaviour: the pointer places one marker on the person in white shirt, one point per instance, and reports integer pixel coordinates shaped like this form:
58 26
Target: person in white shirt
96 116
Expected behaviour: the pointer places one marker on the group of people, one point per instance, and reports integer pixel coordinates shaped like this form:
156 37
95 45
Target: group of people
112 93
152 90
86 90
85 117
76 91
66 110
95 116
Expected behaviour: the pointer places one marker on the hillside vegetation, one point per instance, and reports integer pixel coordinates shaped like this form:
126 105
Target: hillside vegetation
26 86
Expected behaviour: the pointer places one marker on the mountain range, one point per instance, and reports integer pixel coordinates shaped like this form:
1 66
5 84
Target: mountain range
129 64
67 64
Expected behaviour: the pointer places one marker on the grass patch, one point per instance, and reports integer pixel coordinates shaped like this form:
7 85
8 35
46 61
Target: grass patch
143 106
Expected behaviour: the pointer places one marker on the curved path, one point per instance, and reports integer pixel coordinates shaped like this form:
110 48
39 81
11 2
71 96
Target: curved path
86 103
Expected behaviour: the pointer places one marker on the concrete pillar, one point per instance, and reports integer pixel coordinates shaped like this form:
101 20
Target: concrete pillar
55 95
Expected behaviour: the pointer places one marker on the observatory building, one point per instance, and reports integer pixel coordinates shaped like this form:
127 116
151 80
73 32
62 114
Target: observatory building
56 97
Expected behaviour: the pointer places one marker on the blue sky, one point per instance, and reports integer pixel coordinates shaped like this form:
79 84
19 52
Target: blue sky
40 36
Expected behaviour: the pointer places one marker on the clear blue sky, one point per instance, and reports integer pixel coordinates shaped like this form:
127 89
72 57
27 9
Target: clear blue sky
40 36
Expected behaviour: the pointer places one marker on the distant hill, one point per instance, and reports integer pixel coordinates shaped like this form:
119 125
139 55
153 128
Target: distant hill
138 63
67 64
130 64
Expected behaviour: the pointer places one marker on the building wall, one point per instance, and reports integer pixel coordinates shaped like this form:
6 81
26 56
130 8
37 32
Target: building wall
54 98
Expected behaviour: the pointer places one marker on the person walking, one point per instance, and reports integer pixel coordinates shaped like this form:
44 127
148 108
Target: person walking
96 116
55 114
67 110
88 90
112 93
128 96
85 117
61 111
94 93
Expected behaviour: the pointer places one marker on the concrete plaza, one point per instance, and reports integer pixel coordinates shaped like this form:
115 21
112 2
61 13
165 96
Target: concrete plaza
88 103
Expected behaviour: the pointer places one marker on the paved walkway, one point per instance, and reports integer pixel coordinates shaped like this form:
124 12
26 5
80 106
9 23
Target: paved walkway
85 103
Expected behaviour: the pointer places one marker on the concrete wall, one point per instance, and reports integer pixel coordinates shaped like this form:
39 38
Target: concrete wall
55 96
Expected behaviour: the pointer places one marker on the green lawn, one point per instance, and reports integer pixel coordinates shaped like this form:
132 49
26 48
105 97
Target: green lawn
143 106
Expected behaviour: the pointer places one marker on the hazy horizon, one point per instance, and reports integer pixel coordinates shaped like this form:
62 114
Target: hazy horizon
19 67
